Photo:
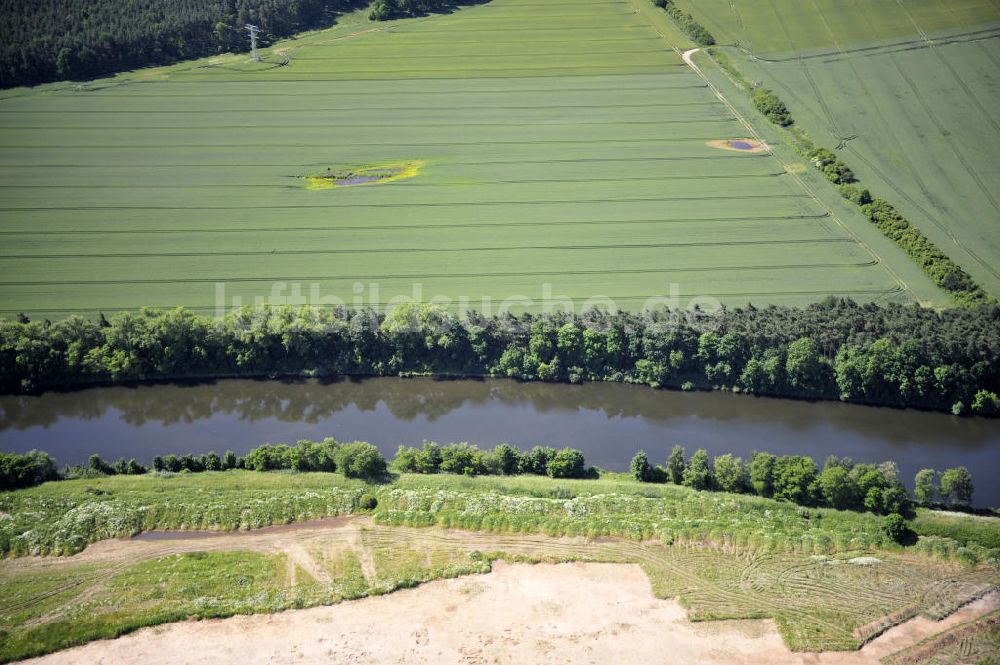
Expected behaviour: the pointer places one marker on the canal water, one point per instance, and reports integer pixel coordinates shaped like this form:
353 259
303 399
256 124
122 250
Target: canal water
608 422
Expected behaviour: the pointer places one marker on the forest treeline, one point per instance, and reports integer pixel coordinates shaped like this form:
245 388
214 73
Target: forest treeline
357 459
384 10
841 484
898 355
51 40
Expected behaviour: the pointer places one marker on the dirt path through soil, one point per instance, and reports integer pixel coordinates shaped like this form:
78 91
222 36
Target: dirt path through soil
518 614
563 613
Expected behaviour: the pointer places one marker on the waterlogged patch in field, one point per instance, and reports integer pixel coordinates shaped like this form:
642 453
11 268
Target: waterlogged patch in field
739 145
375 174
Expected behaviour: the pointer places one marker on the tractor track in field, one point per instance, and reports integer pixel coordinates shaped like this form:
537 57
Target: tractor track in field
419 227
687 569
834 125
931 217
293 110
540 273
815 294
556 122
408 250
440 183
451 204
687 57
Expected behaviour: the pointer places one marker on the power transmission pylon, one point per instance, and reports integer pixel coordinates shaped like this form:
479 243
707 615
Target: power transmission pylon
254 31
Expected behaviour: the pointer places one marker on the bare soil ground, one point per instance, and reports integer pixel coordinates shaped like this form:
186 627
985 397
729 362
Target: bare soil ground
530 614
726 144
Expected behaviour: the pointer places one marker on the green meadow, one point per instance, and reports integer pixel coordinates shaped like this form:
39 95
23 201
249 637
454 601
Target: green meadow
830 579
909 87
562 154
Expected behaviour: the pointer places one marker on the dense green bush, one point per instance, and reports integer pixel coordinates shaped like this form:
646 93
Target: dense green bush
303 456
842 484
383 10
895 527
855 194
835 170
772 107
698 473
942 270
566 463
31 468
956 485
360 460
504 459
694 30
639 466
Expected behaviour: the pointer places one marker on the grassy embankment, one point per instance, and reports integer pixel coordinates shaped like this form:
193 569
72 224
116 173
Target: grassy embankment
724 555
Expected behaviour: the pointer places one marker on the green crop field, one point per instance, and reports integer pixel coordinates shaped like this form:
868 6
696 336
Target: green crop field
915 83
559 150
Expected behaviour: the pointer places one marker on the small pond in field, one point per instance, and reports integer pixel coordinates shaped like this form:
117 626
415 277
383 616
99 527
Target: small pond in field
608 421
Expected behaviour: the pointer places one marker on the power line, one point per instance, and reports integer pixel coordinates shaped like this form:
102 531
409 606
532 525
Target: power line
254 32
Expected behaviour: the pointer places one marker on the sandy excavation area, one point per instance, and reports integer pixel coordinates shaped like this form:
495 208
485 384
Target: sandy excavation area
518 614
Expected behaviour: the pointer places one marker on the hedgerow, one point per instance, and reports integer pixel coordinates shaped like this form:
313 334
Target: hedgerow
939 267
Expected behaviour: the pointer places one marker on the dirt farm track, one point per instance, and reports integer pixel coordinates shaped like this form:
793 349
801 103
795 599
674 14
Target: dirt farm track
518 613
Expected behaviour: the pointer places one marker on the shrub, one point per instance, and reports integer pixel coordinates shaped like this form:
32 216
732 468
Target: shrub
895 527
567 463
32 468
507 459
762 473
730 473
956 485
462 458
986 403
698 474
536 460
381 10
694 30
772 107
360 460
835 170
838 488
676 465
855 194
639 466
794 479
367 502
405 460
941 269
924 486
